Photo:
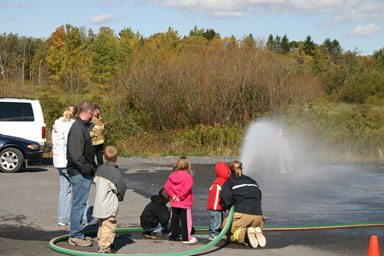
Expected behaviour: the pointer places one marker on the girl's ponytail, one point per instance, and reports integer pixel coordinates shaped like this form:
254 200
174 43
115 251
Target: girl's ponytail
236 168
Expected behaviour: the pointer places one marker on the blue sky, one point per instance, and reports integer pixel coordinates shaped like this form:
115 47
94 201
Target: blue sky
356 24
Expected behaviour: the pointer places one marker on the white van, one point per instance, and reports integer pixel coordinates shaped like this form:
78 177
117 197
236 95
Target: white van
23 117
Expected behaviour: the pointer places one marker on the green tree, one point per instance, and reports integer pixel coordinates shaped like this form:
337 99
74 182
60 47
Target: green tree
294 44
361 85
285 45
196 32
249 42
9 56
68 57
379 57
128 44
309 46
334 49
278 43
39 65
104 57
209 34
271 44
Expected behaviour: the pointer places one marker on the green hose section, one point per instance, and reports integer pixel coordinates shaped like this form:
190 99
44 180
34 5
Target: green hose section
125 230
333 226
212 243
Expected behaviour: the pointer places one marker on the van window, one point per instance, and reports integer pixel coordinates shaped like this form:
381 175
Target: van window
11 111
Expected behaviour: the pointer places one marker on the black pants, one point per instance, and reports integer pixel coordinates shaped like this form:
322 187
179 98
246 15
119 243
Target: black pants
179 224
99 154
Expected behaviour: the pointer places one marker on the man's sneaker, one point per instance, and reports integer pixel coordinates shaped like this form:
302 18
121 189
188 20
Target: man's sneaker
73 241
61 224
88 238
251 234
192 241
260 237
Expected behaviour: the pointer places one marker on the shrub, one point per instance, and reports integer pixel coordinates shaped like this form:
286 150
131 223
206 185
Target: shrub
359 87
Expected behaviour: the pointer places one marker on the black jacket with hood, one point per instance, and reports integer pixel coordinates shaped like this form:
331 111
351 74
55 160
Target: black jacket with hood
154 213
80 153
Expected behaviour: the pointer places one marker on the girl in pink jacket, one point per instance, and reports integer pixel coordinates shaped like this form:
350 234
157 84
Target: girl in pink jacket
179 188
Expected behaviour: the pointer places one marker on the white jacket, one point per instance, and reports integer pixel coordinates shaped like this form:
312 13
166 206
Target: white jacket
106 203
59 140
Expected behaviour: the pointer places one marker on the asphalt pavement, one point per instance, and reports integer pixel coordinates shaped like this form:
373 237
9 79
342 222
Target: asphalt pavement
314 195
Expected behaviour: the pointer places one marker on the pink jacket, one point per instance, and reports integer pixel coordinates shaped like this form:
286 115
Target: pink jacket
180 183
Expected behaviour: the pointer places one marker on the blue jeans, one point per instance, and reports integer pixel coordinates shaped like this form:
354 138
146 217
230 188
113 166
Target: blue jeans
65 197
216 220
80 191
158 229
64 206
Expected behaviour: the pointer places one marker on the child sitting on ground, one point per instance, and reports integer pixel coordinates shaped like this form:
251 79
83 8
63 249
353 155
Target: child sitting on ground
214 207
110 188
155 216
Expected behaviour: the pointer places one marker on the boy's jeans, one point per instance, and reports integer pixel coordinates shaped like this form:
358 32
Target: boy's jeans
216 220
159 229
64 207
81 183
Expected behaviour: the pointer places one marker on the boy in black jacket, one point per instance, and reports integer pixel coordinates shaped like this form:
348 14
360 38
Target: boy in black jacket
155 216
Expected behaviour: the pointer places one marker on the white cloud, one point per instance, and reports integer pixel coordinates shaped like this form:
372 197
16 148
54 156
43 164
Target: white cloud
101 19
227 8
367 30
339 10
16 4
113 2
366 11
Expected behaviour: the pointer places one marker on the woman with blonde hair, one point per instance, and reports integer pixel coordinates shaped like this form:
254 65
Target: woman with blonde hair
59 149
243 192
179 188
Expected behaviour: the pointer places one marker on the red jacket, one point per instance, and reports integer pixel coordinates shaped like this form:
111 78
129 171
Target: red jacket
222 173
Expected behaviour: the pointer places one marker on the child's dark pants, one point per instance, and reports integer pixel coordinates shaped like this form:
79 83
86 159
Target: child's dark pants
179 224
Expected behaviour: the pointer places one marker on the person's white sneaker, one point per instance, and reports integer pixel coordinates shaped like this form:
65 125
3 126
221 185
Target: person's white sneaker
211 238
192 241
260 237
251 234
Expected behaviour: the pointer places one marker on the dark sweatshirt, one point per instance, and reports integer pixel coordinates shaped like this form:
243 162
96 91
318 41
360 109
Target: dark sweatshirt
154 213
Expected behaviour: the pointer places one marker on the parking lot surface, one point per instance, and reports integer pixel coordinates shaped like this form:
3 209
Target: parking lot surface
314 195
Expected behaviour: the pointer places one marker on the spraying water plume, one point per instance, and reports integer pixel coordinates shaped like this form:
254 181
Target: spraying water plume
267 148
268 151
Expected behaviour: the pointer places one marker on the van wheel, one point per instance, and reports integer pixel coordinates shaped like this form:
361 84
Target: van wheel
11 160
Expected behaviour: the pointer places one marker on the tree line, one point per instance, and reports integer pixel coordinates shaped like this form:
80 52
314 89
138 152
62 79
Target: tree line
169 93
78 60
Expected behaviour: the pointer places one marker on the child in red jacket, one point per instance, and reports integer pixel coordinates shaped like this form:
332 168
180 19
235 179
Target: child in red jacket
215 211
